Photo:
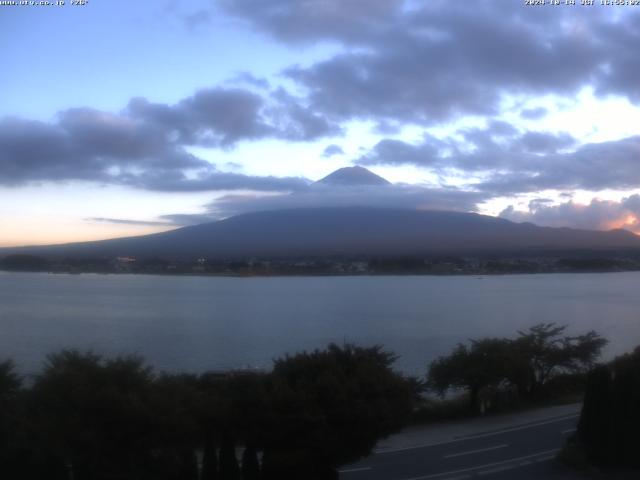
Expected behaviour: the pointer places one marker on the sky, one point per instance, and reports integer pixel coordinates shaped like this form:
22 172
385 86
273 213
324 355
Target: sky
124 118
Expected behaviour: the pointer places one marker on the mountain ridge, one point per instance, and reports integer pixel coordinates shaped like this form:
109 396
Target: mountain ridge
352 231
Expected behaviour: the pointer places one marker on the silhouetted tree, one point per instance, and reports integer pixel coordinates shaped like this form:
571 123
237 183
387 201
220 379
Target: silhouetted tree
229 468
595 425
527 363
250 464
610 419
172 406
233 404
484 363
11 425
625 399
330 407
209 459
91 414
10 382
544 351
188 465
93 418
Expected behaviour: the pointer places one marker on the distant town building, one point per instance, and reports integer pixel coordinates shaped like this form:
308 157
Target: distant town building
126 260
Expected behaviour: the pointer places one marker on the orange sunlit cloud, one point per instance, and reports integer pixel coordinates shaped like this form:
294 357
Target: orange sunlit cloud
628 222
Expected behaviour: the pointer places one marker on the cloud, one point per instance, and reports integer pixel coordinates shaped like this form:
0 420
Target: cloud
297 122
595 166
544 142
428 62
306 21
211 117
471 149
397 152
212 180
186 219
221 117
249 79
511 162
145 145
596 215
332 150
85 144
387 196
533 113
124 221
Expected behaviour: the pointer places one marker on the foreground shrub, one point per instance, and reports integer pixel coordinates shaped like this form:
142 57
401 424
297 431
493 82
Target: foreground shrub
92 418
610 421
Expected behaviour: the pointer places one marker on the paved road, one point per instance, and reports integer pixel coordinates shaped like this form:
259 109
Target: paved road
523 451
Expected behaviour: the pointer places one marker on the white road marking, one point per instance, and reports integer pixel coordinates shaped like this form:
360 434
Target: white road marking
470 452
569 430
497 470
489 465
358 469
480 435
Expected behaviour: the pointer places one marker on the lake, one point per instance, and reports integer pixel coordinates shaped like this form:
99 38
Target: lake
200 323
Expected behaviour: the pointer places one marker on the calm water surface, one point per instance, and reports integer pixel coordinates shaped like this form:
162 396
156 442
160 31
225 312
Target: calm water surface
199 323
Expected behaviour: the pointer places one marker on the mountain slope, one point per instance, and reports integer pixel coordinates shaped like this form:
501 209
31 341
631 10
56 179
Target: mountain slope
345 231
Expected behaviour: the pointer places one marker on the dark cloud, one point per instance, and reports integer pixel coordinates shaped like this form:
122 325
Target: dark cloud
619 70
298 122
516 163
543 142
480 149
219 117
445 61
96 146
498 128
307 21
596 215
86 145
426 62
501 146
145 145
332 150
397 152
211 117
28 148
596 166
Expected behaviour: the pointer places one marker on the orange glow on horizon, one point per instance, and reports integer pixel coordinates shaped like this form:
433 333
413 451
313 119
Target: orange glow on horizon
27 233
628 222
